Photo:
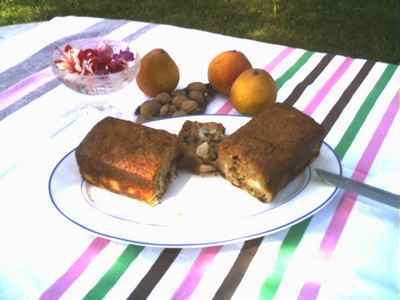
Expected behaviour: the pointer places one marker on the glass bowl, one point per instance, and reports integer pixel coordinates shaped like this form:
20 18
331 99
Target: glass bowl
95 84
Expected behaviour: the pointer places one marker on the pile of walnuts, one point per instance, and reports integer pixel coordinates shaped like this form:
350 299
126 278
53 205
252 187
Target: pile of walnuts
193 99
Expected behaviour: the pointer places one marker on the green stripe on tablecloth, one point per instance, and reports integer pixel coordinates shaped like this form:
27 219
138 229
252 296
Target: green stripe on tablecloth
296 232
288 246
118 268
364 110
293 69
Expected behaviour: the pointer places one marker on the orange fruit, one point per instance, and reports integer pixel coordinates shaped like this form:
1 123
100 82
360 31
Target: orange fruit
225 68
252 91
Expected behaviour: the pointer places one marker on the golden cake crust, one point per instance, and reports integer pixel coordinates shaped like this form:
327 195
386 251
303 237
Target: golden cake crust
262 156
128 158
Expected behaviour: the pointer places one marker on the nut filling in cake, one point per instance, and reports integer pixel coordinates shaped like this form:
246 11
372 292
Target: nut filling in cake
263 155
129 159
198 142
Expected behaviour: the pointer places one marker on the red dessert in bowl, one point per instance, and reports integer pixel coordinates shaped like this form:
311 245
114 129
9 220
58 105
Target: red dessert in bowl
95 66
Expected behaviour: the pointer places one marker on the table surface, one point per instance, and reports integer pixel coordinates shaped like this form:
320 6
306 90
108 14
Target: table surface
348 250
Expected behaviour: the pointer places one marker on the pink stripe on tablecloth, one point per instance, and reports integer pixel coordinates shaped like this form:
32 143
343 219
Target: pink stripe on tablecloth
311 289
24 87
58 288
317 99
227 107
195 273
277 60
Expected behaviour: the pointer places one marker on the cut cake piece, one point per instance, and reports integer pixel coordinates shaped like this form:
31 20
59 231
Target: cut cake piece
128 158
266 153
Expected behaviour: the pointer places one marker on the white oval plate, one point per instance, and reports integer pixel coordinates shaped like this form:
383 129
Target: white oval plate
196 211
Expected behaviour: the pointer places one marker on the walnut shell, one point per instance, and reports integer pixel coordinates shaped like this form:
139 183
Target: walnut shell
189 106
178 100
196 86
150 108
163 98
197 96
164 110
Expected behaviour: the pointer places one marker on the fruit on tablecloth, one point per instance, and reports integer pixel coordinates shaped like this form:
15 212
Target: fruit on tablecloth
158 73
193 99
225 68
253 91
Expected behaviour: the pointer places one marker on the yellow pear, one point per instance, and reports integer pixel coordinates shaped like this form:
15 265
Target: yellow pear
252 91
158 73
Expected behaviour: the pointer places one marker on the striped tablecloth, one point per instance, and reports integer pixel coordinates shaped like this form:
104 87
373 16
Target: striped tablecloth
348 250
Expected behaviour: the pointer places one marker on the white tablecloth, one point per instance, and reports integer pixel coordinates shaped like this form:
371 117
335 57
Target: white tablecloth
348 250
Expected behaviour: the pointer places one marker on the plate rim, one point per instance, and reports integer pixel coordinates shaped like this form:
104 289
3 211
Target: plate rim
199 244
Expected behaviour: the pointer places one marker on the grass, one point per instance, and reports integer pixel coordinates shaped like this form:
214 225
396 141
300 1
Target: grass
366 29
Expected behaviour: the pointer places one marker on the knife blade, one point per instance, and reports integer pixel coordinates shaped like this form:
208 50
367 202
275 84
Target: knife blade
360 188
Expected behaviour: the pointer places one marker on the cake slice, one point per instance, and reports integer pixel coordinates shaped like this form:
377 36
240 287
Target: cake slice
198 142
263 155
128 158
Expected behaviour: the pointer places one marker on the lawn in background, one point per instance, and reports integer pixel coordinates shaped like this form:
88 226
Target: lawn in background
366 29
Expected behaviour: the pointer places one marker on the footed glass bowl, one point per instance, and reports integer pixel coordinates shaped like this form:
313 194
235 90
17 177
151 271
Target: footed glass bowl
108 68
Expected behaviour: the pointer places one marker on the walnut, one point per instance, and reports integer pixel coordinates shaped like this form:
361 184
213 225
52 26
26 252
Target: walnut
163 98
202 150
197 96
203 169
197 86
189 106
150 108
164 110
178 100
